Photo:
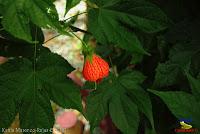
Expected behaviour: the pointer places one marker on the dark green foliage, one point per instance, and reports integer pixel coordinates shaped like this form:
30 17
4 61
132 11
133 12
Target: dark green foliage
182 105
122 98
112 22
180 56
18 14
149 44
30 86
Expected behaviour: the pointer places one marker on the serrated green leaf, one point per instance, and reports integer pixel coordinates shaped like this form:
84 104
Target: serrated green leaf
135 77
133 13
36 114
124 99
131 82
143 101
124 114
15 21
181 54
19 14
167 74
70 4
181 104
103 26
195 85
108 22
195 64
180 57
96 110
34 88
136 58
7 107
55 76
42 13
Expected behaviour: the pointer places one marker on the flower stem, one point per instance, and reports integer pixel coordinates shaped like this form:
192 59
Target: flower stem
95 85
79 38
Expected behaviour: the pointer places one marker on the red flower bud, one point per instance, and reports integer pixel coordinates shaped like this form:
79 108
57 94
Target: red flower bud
95 68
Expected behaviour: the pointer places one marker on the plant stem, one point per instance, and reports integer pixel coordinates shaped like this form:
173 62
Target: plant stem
34 62
74 16
79 39
70 26
52 38
95 85
76 29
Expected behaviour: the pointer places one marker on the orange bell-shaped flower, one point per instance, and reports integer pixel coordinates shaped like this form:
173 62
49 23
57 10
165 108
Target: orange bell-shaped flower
95 68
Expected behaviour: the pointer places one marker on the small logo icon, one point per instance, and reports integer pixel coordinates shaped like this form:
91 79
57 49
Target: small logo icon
185 127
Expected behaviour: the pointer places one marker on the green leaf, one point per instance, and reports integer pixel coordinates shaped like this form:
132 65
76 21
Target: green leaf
136 58
112 21
34 85
124 95
19 14
133 13
171 71
7 107
167 74
60 88
186 50
131 82
135 77
13 47
195 64
149 131
107 34
36 114
195 85
181 104
70 4
121 110
143 101
15 20
42 13
96 109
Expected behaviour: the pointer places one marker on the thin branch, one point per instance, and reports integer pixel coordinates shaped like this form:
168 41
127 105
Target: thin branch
74 16
34 62
79 39
70 32
76 29
51 38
